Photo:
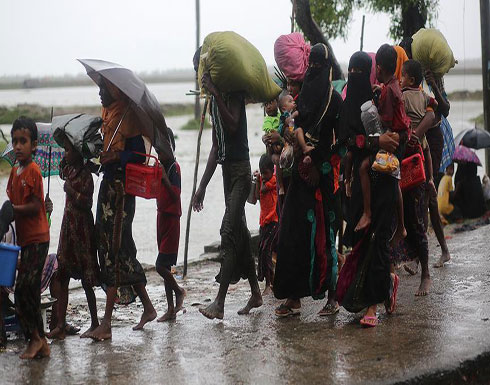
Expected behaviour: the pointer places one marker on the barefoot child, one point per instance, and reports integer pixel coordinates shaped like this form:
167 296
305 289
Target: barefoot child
267 195
77 252
168 233
25 191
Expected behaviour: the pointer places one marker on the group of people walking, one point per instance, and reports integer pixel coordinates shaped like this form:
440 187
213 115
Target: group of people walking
322 166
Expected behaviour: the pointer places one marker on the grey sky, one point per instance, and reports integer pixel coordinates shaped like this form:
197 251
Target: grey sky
45 37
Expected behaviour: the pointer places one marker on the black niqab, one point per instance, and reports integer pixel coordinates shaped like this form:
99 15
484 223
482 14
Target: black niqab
316 92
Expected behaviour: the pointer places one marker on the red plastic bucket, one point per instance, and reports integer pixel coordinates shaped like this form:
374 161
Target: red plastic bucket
8 263
143 180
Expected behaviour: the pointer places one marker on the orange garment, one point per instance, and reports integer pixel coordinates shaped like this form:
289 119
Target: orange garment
129 127
268 202
20 189
401 57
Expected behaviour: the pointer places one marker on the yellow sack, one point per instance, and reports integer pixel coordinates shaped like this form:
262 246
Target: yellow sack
386 163
235 65
431 49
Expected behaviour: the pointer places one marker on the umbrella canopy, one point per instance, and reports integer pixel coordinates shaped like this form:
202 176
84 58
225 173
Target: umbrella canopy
82 130
473 138
463 154
145 104
46 145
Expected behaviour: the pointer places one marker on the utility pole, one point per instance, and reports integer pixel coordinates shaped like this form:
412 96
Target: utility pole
197 103
485 57
362 32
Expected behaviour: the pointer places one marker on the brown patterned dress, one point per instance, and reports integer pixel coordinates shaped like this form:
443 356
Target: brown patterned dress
77 251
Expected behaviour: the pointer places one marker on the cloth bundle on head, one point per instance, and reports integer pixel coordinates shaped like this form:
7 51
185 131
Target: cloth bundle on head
235 65
430 48
359 91
316 91
291 53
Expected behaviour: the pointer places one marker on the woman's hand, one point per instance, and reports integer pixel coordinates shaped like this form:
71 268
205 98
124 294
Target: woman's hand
109 157
198 199
389 141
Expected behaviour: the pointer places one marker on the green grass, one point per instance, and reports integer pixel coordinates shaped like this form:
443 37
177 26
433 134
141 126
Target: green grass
4 165
479 120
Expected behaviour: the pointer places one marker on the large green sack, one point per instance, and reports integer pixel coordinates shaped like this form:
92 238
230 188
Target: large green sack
235 65
431 49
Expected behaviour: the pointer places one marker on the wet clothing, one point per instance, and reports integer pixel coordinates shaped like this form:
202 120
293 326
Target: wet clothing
77 250
265 266
468 195
21 188
391 108
235 253
168 219
443 192
417 103
268 201
28 285
231 147
271 123
132 145
128 128
306 253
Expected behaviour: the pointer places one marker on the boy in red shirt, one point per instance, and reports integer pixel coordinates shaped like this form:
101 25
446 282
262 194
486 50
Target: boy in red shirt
168 232
25 191
266 193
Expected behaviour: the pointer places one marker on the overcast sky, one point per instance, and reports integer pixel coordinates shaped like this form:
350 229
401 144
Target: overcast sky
45 37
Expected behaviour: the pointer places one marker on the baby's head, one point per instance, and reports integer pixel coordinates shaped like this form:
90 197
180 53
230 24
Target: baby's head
266 167
286 102
412 74
385 63
450 169
271 107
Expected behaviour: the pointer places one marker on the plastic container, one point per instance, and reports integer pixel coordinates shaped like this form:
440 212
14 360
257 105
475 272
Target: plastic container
370 118
412 172
8 263
143 180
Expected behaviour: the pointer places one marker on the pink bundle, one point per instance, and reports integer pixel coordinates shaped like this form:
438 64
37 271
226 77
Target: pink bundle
292 53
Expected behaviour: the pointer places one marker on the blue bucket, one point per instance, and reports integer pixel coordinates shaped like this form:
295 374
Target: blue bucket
8 263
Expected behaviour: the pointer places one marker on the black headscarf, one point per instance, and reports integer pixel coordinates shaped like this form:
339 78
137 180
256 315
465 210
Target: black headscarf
358 92
316 92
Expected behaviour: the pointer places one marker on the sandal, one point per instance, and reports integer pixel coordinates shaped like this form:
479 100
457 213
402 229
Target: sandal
391 303
369 322
283 311
329 309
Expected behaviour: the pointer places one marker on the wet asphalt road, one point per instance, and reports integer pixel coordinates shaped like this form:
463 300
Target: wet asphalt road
425 335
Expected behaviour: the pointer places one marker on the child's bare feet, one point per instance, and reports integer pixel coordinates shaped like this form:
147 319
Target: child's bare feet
307 159
212 311
267 291
33 349
102 332
168 316
254 301
145 318
364 222
424 286
179 300
445 257
57 333
86 333
400 233
308 149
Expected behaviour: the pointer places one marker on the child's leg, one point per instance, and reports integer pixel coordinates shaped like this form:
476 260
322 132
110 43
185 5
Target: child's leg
348 173
300 138
92 307
400 232
365 220
54 291
28 298
171 287
60 308
149 312
103 331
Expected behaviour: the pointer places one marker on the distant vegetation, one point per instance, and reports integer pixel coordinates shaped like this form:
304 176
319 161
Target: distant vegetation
194 124
43 114
465 95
